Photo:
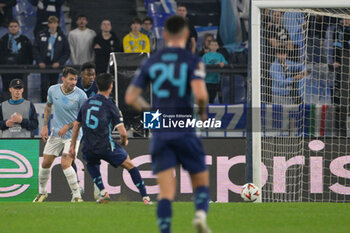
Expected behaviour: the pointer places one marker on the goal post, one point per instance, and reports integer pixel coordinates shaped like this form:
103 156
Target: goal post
278 156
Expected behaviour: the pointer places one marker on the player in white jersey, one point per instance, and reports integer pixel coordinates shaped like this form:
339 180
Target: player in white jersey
67 100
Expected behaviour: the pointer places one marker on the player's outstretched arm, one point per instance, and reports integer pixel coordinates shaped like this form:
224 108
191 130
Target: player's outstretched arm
75 134
123 135
65 129
47 115
133 98
201 96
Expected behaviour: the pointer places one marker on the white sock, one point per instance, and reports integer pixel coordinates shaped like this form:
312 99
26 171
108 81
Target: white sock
44 175
72 180
103 192
96 189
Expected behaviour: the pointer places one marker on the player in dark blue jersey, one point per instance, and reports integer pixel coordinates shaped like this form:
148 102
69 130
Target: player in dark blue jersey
86 81
98 117
176 75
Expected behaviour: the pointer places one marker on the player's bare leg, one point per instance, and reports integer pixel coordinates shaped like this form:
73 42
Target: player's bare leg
44 175
136 178
200 184
71 176
167 184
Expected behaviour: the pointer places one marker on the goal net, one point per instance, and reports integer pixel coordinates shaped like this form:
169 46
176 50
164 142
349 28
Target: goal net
305 101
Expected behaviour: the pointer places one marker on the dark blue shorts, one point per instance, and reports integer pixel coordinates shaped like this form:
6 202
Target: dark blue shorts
114 158
168 153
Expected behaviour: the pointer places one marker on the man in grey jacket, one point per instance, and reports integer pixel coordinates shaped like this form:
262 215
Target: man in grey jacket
18 118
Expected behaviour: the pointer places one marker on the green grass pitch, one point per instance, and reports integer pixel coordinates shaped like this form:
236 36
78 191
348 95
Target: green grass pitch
134 217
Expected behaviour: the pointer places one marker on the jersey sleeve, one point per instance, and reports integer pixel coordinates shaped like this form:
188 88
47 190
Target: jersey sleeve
117 117
141 78
50 95
199 70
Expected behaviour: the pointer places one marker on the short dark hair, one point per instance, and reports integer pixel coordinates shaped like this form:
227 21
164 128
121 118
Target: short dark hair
175 24
14 21
103 81
214 41
69 70
181 5
136 20
106 20
147 19
82 16
87 65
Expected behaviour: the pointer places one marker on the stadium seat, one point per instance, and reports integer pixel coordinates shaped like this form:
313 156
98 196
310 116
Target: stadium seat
147 2
25 14
159 19
158 32
155 8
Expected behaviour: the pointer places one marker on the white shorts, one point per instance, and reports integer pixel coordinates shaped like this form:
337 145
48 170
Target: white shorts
55 145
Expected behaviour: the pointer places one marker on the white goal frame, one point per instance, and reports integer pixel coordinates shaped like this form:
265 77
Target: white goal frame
256 5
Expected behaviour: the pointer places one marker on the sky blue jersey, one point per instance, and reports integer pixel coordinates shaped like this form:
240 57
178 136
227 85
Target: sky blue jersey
66 107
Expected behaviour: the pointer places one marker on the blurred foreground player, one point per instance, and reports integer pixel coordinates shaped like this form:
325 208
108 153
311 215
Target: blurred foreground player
98 116
67 99
175 74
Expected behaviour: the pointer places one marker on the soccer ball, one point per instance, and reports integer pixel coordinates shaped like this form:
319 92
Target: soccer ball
250 192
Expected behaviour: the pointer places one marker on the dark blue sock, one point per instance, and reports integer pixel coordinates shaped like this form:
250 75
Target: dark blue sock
75 169
136 178
74 166
164 215
94 171
201 198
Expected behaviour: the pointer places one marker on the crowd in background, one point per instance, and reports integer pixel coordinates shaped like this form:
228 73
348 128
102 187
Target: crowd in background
293 50
53 48
306 61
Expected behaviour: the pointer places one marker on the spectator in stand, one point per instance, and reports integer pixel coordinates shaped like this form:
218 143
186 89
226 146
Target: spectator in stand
51 49
6 12
45 9
208 37
212 80
286 75
277 35
135 41
86 81
81 42
146 29
341 65
104 43
18 118
295 24
15 49
192 39
274 36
